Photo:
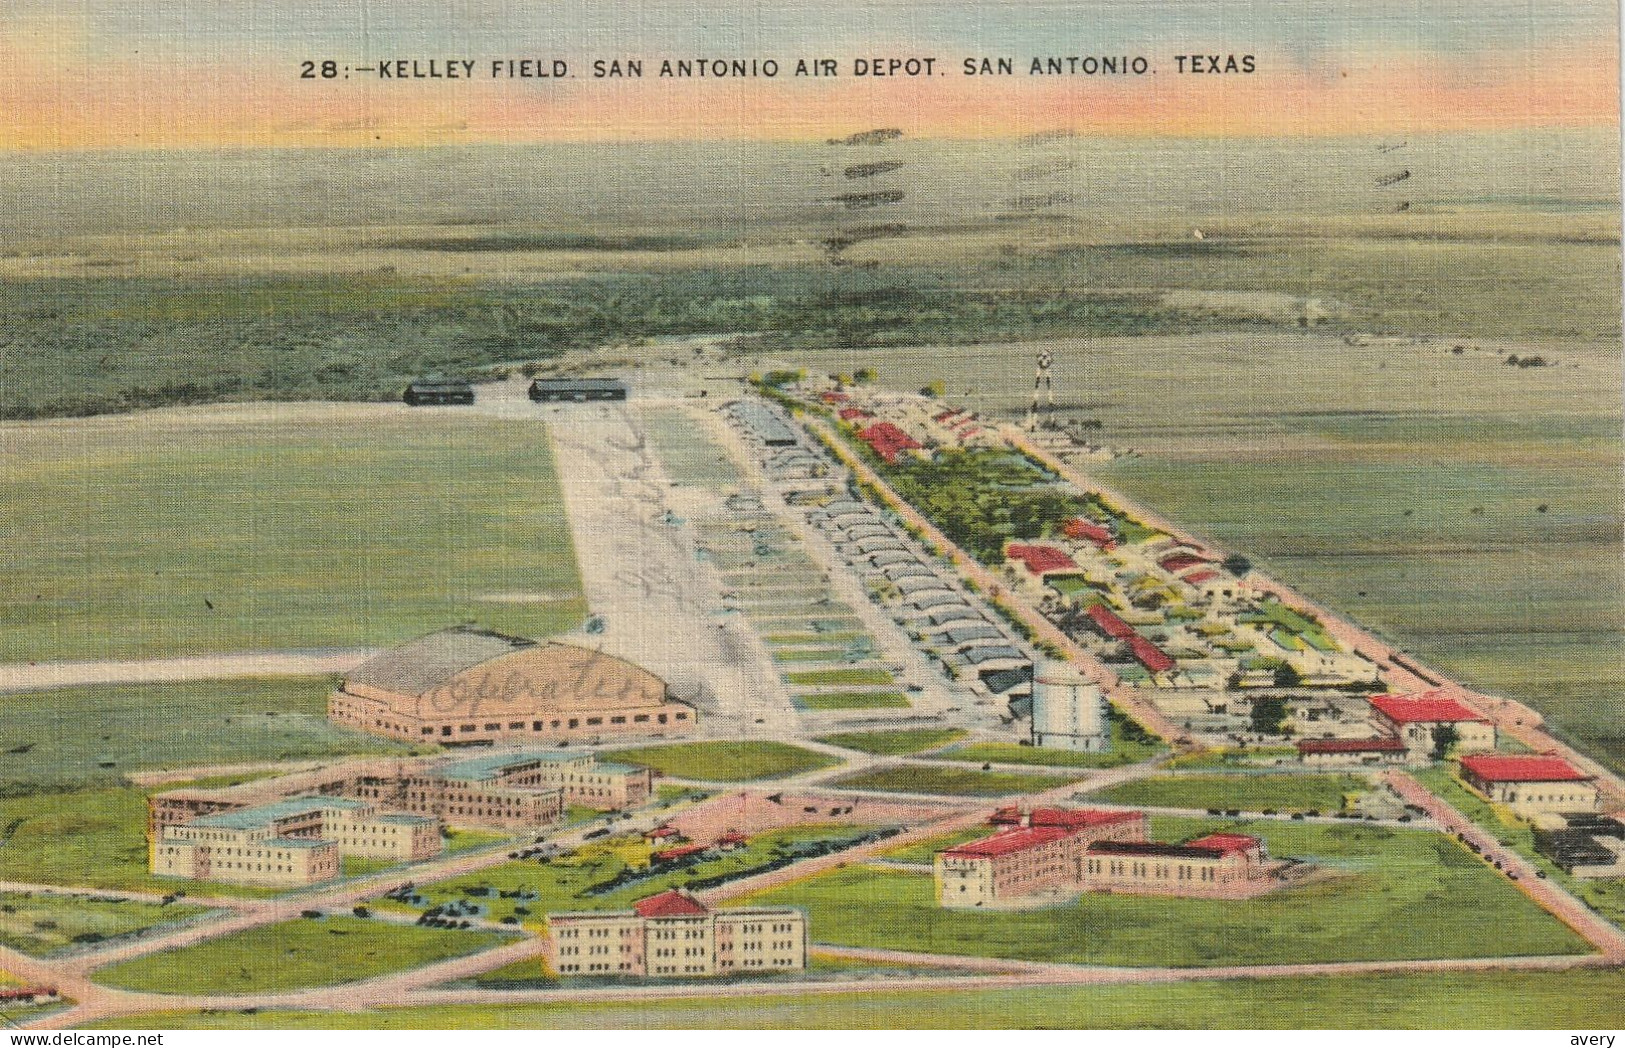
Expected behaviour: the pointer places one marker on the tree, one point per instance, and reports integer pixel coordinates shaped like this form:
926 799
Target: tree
1286 676
1269 713
1444 737
937 388
865 374
1237 565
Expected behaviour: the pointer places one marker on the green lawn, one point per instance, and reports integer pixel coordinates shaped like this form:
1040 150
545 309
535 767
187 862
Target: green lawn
851 700
895 743
948 780
724 761
582 879
1580 1000
1011 753
38 923
94 838
925 851
848 675
96 734
294 955
1403 894
1241 790
1606 896
311 528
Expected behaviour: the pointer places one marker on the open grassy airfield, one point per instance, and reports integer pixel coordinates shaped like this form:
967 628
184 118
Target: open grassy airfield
78 736
291 528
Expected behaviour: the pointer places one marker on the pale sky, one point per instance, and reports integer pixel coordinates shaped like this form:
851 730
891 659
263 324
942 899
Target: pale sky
179 73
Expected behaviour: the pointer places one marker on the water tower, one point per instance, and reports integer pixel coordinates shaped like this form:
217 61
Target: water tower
1069 710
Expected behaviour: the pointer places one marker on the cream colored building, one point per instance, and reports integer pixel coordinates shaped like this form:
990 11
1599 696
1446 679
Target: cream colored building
1538 787
1416 718
292 842
462 685
674 936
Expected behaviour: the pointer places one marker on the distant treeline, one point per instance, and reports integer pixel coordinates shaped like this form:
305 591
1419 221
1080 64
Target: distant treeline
91 346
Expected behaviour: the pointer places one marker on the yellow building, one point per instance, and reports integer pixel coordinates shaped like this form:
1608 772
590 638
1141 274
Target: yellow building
674 936
292 842
464 685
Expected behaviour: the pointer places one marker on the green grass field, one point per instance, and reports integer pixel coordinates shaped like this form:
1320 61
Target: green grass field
92 838
294 955
844 675
1243 790
1122 752
246 530
1581 1000
851 700
82 735
895 743
724 761
966 782
924 851
38 923
1404 894
1606 896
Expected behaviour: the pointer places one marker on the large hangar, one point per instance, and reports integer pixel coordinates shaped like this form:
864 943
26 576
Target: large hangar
465 685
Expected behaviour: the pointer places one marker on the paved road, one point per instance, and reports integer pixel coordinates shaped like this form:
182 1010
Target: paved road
39 676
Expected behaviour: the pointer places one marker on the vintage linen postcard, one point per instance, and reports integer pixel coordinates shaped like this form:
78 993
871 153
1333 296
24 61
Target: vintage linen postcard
914 514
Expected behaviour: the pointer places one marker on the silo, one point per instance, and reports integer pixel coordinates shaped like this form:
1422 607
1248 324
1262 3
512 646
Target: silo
1069 711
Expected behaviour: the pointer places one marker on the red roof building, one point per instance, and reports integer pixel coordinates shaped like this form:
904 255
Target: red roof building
1106 621
1177 562
832 397
1080 818
887 440
671 903
1042 560
674 854
1380 744
1225 843
1149 655
1499 767
659 832
1007 842
1196 578
1081 529
850 414
1428 708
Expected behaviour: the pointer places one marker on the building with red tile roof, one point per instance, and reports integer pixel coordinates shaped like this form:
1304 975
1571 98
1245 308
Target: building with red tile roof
1042 852
1108 623
1041 561
1218 865
1539 787
1415 718
674 935
1177 562
674 854
1383 749
671 903
1153 658
887 440
1055 851
1082 529
851 414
